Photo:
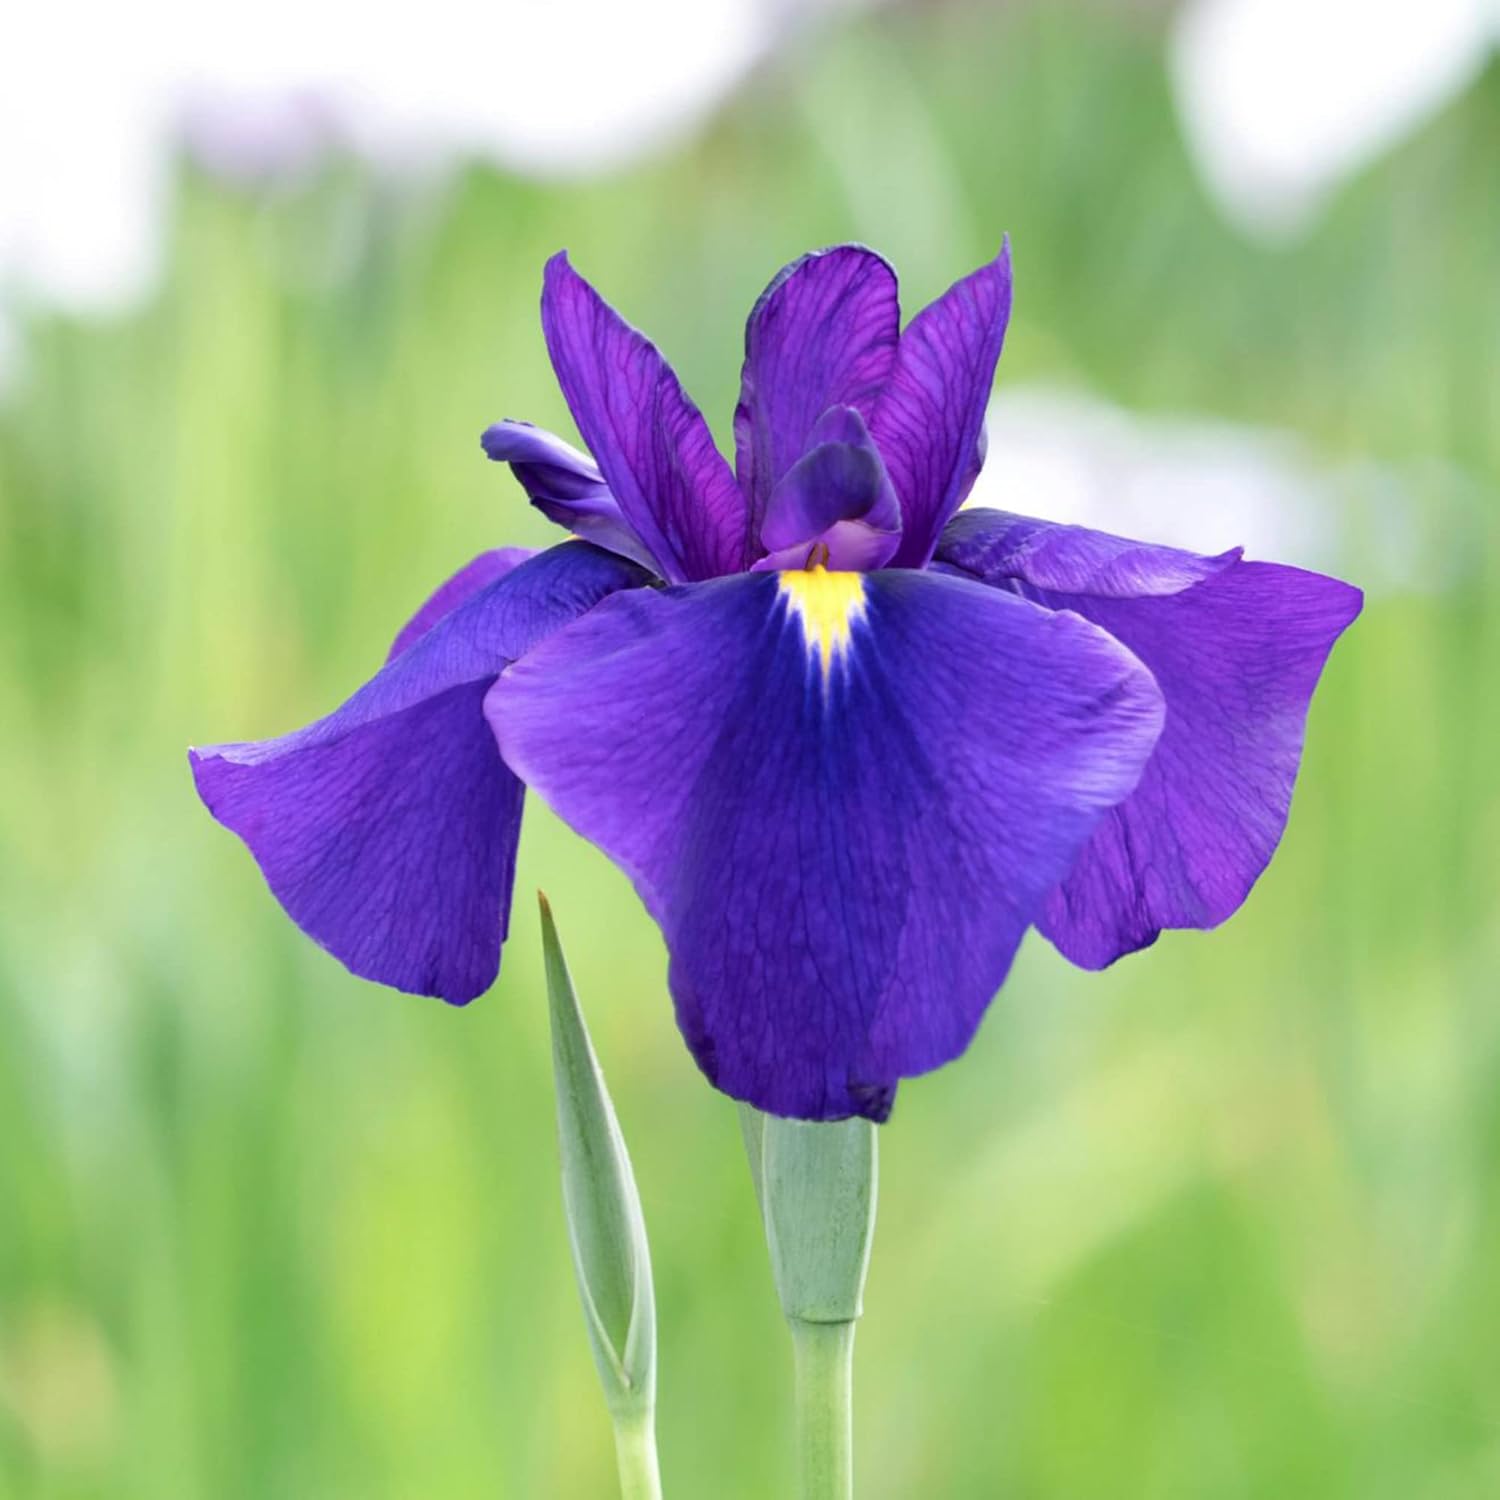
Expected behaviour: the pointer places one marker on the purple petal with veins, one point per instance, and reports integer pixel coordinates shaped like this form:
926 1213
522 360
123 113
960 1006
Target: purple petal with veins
651 443
929 421
835 506
855 794
1237 649
822 334
566 486
388 829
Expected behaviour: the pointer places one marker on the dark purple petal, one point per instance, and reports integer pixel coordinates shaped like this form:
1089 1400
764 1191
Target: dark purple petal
388 829
843 796
930 419
835 503
566 486
563 471
1237 656
484 570
995 545
822 334
653 446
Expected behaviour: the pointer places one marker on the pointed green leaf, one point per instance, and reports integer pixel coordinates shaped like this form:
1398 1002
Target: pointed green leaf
603 1209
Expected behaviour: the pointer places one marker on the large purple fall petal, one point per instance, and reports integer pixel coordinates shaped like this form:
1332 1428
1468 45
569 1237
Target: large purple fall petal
388 829
844 797
822 334
566 486
1237 649
929 422
652 444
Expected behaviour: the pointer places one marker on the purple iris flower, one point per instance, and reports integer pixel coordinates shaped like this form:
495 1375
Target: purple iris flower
848 742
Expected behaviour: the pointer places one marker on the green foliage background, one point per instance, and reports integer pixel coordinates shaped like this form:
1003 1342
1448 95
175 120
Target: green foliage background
1221 1222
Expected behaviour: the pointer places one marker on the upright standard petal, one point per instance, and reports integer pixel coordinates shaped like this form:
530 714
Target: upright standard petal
1237 649
566 486
822 334
930 419
835 505
843 796
652 444
388 829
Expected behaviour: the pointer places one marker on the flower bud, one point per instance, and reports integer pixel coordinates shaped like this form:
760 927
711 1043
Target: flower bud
603 1208
816 1185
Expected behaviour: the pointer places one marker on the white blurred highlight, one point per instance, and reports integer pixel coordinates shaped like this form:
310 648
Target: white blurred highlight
1208 485
93 99
1284 99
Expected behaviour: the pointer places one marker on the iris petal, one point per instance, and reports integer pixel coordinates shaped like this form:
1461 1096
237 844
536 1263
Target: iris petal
388 829
995 545
835 501
822 334
1237 649
566 486
843 797
930 419
487 568
653 447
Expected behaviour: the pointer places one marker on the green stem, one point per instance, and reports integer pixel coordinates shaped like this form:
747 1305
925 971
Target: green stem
824 1355
635 1447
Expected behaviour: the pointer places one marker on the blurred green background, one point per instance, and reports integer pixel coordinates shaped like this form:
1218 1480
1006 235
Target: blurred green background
1223 1221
